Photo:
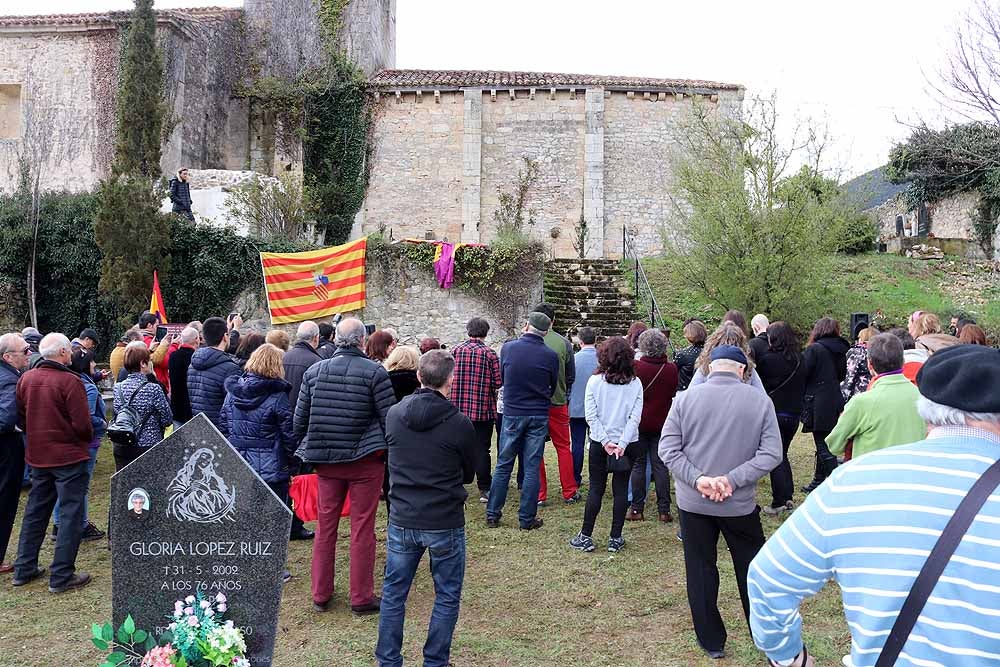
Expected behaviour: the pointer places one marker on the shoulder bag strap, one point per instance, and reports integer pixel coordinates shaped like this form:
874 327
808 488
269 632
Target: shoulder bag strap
653 381
136 392
924 584
798 362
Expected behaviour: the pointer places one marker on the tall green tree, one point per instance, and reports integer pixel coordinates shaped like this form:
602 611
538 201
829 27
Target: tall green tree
134 237
748 232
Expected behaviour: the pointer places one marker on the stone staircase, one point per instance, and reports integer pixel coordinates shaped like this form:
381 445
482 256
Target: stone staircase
589 292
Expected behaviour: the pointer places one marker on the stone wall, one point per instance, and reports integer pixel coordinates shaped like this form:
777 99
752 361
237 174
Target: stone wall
442 155
369 34
209 192
414 305
950 218
411 303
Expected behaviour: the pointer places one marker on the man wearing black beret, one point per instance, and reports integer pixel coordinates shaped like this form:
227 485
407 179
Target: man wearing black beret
873 523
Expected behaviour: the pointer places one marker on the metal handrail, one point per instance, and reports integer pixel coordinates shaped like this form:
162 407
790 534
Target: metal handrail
643 290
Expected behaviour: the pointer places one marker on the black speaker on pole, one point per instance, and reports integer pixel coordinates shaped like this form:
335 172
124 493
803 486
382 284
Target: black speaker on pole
859 322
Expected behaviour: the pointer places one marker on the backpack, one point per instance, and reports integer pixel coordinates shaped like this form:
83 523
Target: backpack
125 428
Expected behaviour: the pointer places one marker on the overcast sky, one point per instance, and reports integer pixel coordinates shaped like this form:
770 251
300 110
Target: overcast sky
856 66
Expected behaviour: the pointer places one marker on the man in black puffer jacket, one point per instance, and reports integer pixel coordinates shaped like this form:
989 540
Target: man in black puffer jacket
210 366
340 421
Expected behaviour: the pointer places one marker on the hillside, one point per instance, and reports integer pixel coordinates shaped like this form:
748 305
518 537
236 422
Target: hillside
863 283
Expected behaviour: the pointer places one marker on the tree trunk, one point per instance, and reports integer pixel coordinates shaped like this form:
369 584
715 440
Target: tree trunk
34 221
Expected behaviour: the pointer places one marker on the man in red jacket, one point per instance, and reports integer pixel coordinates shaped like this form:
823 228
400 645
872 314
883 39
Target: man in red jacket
54 414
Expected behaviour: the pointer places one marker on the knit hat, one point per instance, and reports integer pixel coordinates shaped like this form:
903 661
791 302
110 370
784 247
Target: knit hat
966 377
539 321
730 352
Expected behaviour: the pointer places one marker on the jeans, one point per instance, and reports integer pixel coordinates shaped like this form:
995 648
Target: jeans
782 486
578 438
598 465
744 536
68 484
11 474
404 549
647 451
86 503
519 435
484 466
362 480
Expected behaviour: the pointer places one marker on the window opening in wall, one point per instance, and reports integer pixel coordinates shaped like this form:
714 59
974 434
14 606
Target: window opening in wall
10 110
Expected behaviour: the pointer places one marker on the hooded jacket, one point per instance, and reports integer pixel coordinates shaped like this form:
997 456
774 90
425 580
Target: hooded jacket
256 417
936 342
340 413
180 195
206 381
826 367
432 455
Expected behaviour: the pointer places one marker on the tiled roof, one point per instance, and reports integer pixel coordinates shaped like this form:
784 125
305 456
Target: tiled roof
420 78
110 17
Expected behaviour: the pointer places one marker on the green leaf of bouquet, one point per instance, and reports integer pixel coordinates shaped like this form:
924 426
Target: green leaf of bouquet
122 636
139 636
108 664
107 632
100 643
150 643
117 658
95 631
180 662
129 624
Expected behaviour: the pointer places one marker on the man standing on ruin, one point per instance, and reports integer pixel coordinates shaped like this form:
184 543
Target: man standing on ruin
180 194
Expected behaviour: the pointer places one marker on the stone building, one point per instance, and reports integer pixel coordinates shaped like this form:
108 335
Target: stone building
446 141
59 79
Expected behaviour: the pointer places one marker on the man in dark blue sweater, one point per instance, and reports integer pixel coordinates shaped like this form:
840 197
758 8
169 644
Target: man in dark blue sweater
433 451
530 373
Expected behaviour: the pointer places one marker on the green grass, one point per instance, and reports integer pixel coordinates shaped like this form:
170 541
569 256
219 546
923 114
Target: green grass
856 284
528 599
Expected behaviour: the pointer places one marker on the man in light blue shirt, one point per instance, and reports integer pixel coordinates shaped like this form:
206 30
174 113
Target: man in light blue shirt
586 364
872 524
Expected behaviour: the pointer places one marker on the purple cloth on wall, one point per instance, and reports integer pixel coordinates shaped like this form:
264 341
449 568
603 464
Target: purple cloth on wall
444 265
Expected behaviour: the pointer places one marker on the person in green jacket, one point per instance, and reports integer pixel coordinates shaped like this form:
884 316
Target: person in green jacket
886 414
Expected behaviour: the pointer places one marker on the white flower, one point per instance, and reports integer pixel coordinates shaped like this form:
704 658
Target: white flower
192 621
221 607
172 626
189 611
189 599
205 604
220 598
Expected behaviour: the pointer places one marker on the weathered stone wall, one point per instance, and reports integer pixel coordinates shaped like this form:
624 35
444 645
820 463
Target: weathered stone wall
640 141
414 305
416 180
369 34
55 75
441 156
950 218
209 191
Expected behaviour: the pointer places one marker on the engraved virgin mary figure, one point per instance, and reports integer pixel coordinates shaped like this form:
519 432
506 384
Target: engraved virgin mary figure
198 494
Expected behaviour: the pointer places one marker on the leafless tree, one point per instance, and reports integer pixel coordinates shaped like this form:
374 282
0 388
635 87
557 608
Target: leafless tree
53 136
969 80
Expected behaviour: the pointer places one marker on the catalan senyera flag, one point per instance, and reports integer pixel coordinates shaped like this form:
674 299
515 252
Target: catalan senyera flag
308 285
156 300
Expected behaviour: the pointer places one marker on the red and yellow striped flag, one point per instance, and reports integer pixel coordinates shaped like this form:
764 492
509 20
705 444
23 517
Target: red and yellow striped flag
308 285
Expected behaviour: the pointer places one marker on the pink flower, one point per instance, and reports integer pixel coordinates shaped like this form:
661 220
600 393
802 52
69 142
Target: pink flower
192 621
159 656
188 610
220 598
189 599
205 604
221 607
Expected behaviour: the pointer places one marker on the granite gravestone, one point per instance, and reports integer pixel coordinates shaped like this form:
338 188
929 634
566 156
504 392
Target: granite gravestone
190 515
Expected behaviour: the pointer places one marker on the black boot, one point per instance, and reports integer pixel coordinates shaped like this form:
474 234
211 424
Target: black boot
818 477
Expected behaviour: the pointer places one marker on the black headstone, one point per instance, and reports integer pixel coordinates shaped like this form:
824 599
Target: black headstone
190 515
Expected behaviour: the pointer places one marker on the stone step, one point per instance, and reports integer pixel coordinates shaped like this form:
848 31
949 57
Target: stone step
563 303
577 263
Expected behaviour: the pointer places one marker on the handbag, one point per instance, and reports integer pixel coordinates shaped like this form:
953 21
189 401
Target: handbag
619 464
934 566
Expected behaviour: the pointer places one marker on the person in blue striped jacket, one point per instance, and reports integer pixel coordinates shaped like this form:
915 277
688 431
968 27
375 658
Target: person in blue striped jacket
873 523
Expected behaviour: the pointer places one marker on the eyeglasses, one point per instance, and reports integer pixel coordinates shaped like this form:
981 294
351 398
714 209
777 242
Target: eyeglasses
26 351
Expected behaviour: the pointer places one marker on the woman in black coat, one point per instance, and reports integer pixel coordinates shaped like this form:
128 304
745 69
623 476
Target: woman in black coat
825 360
783 374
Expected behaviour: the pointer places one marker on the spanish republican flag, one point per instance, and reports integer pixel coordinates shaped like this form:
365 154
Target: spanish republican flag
156 301
313 284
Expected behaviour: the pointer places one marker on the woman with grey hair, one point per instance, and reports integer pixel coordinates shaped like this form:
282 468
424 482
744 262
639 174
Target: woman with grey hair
659 385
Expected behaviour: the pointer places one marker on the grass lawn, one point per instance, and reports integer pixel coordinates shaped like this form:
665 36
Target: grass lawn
858 284
528 599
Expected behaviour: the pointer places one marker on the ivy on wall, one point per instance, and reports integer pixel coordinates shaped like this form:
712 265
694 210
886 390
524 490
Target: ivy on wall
500 274
330 111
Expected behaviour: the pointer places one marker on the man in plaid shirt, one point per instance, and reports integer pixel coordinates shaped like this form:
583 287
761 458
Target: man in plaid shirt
474 391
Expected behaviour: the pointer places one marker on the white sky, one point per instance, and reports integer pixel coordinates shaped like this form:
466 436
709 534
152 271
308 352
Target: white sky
855 65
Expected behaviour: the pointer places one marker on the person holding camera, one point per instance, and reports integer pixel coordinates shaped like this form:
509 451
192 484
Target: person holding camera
613 407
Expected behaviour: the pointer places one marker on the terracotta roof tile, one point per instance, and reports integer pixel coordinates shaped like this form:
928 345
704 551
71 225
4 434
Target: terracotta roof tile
419 78
111 16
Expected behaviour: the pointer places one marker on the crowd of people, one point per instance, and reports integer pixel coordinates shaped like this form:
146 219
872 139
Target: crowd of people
413 425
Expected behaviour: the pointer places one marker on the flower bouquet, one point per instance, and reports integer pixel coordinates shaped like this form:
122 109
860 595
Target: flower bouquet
198 636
